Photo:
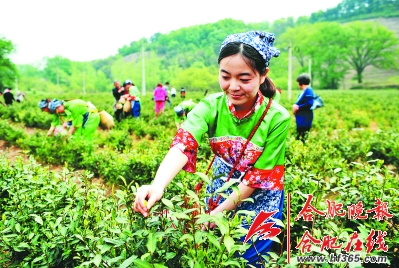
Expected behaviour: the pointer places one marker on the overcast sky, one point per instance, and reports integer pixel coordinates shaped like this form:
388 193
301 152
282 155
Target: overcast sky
83 30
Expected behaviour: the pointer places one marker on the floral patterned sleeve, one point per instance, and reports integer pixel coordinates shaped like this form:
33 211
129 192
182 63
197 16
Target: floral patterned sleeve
187 144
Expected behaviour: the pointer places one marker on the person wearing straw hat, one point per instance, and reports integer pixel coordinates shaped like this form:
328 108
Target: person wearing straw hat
247 132
82 117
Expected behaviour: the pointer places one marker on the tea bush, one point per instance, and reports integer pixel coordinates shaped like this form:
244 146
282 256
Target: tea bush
48 221
350 156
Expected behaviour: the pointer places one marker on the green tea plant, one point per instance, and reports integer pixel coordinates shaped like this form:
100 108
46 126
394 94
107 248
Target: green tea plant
48 221
350 156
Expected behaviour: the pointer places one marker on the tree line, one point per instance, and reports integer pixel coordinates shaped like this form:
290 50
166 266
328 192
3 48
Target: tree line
187 57
349 10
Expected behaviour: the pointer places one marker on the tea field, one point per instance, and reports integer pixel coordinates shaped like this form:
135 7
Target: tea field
347 169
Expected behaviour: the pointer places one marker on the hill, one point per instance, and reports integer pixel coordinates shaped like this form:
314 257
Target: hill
187 57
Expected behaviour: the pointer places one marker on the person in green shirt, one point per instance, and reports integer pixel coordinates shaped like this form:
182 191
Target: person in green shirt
82 117
247 132
182 110
134 97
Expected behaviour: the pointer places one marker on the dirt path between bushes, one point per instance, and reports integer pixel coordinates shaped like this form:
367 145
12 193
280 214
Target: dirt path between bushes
12 153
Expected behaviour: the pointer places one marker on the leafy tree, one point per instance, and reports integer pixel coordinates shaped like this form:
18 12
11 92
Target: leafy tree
280 26
134 47
323 44
299 38
198 77
327 51
370 44
350 10
8 70
58 70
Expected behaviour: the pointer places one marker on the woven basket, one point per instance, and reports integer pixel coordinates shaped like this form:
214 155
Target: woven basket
127 107
106 120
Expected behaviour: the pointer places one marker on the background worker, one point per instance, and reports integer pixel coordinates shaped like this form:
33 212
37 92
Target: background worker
182 93
173 92
118 92
182 110
302 107
134 97
160 96
82 117
8 96
166 87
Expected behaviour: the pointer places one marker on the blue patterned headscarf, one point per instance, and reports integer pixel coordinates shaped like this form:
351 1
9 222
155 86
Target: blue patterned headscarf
53 105
261 41
179 110
43 103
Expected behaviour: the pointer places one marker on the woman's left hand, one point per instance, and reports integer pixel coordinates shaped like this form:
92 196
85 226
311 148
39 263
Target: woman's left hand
295 108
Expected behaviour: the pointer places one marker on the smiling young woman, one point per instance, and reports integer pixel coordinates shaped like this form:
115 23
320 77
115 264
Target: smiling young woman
247 133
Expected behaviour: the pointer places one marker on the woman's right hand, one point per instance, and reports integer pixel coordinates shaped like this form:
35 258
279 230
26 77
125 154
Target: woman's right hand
150 192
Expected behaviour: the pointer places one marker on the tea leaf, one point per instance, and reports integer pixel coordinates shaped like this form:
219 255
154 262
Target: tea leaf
187 236
334 227
170 255
113 260
37 218
104 248
167 203
97 260
273 255
228 241
116 230
158 265
18 227
30 236
23 245
78 236
231 263
113 241
193 195
139 263
58 221
202 218
223 225
277 221
129 261
121 220
198 236
275 239
181 215
151 242
203 176
213 240
337 170
38 258
225 186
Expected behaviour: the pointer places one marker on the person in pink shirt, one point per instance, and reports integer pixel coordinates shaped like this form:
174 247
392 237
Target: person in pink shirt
159 98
